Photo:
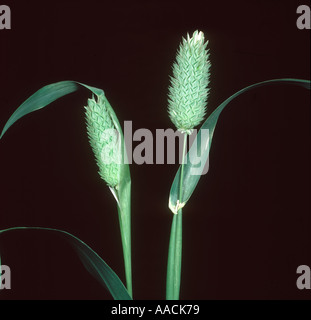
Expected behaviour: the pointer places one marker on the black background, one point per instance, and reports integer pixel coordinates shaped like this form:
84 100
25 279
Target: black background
246 227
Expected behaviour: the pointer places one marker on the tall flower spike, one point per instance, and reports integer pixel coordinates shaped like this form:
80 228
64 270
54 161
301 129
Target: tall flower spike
103 137
189 90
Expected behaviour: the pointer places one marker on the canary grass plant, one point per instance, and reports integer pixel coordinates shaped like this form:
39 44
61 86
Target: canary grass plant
187 103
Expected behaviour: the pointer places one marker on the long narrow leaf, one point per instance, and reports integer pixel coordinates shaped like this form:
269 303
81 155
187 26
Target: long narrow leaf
202 144
91 260
44 97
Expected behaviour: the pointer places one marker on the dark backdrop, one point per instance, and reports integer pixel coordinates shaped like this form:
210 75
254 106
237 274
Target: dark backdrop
246 227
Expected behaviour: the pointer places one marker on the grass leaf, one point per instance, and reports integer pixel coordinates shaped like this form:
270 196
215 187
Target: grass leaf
44 97
95 265
202 144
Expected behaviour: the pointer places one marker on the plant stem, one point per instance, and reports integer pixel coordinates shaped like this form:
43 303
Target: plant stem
171 261
178 255
126 245
175 244
182 167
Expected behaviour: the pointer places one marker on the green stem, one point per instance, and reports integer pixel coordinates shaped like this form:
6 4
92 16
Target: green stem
175 244
182 168
178 255
126 245
171 261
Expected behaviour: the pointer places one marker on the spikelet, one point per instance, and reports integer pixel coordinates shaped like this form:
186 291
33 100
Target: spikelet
189 90
103 137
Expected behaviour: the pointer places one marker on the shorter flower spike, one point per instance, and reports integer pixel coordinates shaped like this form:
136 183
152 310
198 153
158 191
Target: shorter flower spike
189 90
103 137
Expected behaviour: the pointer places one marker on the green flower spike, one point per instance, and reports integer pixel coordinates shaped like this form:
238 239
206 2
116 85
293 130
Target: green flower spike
103 136
189 90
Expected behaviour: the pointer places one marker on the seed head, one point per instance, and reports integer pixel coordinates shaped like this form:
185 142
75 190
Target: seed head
189 90
103 137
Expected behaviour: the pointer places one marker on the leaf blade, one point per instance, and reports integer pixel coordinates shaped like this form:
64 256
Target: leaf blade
45 96
94 264
202 144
